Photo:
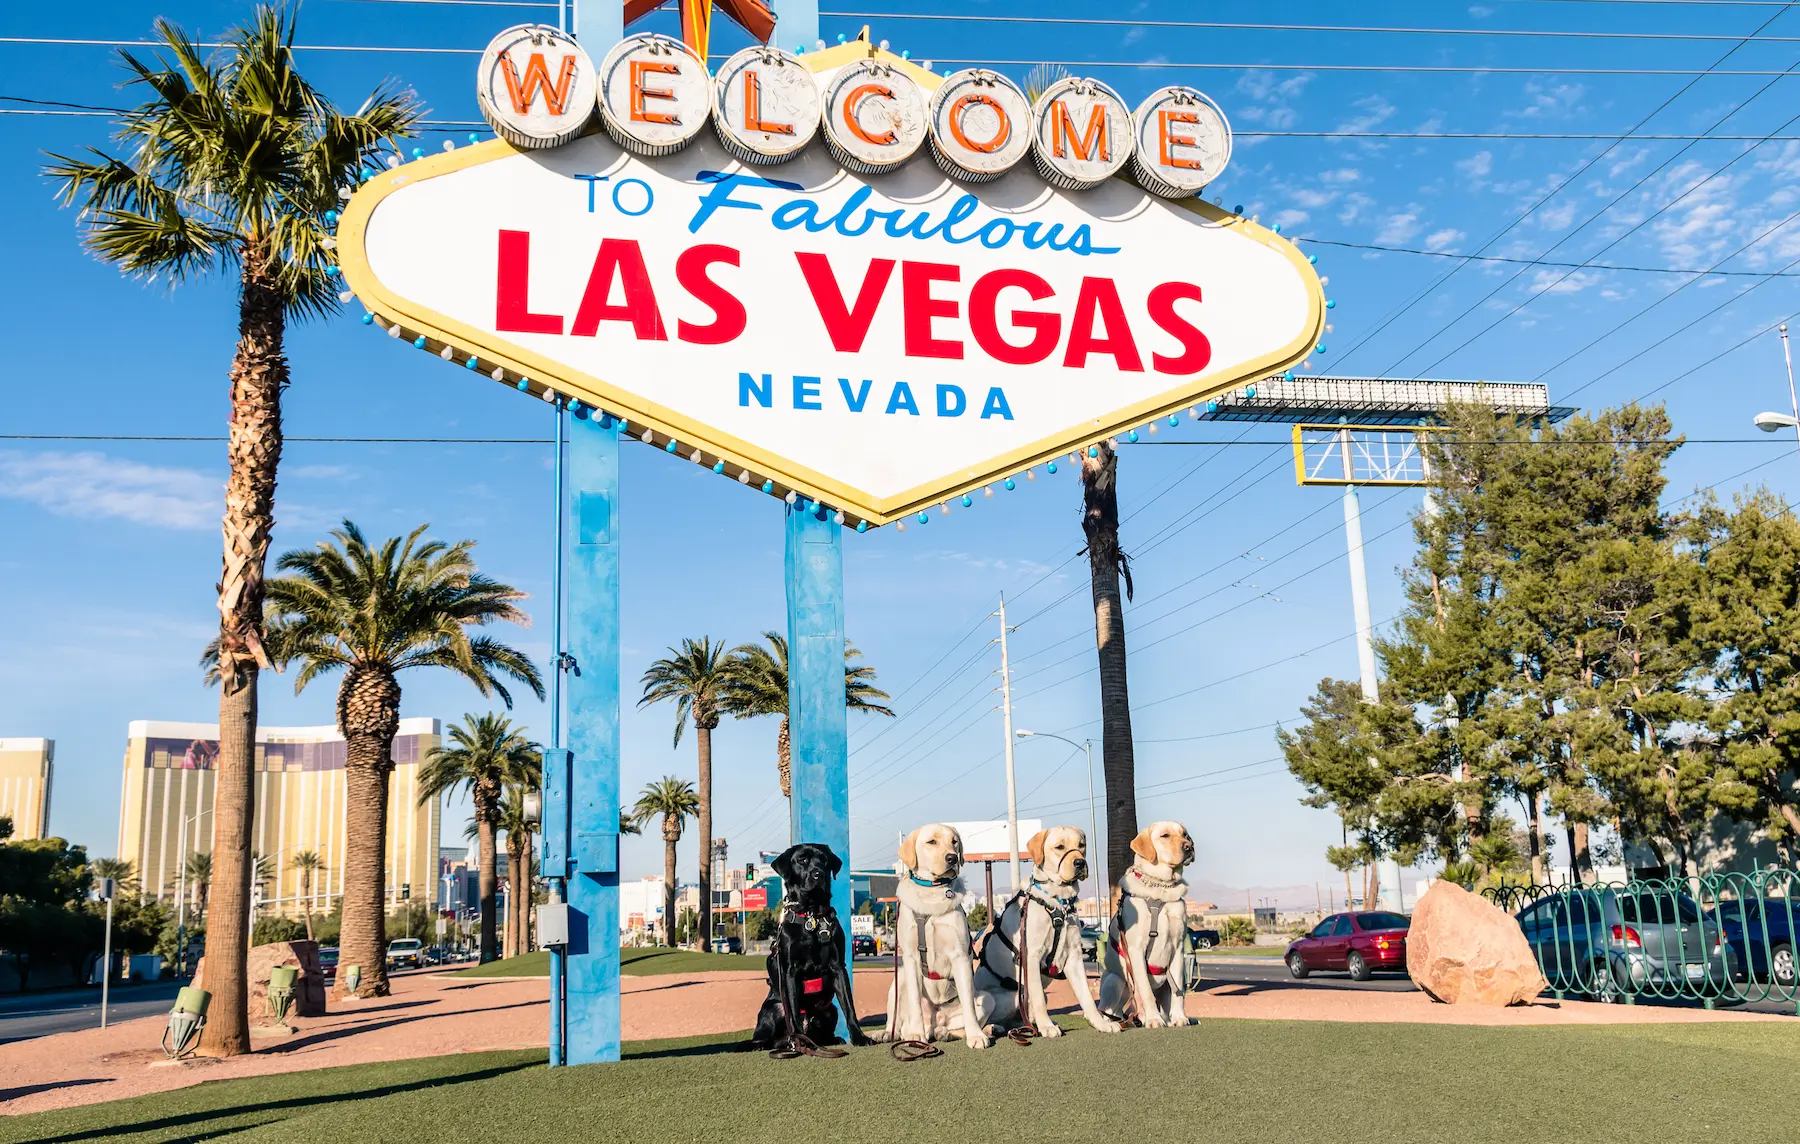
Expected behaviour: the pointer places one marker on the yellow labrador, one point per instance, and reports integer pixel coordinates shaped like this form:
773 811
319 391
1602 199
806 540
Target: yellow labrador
931 995
1052 941
1142 960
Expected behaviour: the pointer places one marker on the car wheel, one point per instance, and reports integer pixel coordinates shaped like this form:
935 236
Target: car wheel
1781 964
1600 985
1359 969
1297 966
1204 943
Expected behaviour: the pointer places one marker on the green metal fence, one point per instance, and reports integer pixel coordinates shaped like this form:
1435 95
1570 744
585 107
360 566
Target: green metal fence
1719 939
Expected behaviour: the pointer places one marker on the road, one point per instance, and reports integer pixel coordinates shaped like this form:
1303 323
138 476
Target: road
23 1016
1271 970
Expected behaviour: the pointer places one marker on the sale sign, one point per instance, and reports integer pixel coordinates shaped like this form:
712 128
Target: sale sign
873 334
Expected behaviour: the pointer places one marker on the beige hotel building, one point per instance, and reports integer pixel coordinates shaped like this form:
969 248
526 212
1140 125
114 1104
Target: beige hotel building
25 768
299 806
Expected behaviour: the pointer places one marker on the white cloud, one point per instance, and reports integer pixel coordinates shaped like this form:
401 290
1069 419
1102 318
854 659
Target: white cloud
1312 199
1477 166
96 486
1375 111
1548 281
1443 239
1556 101
1480 12
1398 228
1291 217
1340 175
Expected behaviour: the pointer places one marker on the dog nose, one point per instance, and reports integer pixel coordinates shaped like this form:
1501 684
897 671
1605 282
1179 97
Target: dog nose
1081 869
953 860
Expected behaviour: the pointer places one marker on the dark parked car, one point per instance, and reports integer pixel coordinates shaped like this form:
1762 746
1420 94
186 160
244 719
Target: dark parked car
1607 944
1199 939
862 945
328 959
1090 941
1760 934
1361 943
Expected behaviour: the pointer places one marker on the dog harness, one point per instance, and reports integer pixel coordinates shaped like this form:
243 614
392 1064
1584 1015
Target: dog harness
1061 914
919 920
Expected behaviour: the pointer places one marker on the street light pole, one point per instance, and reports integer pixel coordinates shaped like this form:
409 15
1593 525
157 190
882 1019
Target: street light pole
1012 800
1096 868
1793 401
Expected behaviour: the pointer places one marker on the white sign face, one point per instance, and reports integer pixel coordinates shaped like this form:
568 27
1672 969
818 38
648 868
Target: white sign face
535 86
986 841
655 94
875 116
980 125
876 343
1081 133
765 105
1183 142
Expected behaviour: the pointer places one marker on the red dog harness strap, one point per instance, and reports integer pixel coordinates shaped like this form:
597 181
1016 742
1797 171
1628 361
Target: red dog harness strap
813 985
1155 970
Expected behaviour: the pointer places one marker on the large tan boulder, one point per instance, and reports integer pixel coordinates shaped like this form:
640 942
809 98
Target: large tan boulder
1464 950
309 989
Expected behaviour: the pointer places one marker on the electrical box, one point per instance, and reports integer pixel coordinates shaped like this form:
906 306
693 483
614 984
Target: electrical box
553 924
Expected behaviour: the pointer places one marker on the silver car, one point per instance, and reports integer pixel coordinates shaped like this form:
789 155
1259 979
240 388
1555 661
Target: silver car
1610 944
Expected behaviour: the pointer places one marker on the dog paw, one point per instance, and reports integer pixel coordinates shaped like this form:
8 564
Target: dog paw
1106 1026
1156 1021
1051 1029
1180 1022
977 1041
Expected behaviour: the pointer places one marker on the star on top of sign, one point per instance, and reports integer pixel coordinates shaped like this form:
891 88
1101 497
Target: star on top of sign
696 19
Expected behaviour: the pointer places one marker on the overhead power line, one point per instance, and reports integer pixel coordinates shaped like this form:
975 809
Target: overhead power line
1331 29
1553 263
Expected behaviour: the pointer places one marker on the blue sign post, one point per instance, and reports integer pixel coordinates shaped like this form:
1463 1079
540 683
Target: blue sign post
817 723
591 961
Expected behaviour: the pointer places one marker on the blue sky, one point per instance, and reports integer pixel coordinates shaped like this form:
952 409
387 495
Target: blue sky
112 547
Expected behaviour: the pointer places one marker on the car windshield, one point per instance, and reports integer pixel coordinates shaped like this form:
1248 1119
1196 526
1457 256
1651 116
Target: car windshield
1369 922
1658 908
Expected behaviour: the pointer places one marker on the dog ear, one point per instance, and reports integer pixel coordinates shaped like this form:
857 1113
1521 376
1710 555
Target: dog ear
1035 847
909 851
1143 847
784 864
836 862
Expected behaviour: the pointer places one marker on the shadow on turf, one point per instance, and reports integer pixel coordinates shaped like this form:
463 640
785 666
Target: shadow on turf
278 1105
7 1094
310 1040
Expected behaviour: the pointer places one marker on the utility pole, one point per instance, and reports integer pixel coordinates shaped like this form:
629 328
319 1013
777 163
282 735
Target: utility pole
1793 400
106 891
1012 796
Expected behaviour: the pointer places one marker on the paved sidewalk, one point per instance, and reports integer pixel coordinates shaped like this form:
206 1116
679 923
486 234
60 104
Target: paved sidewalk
436 1015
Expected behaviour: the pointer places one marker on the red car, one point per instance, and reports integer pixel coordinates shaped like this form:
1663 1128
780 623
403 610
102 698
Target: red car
1362 943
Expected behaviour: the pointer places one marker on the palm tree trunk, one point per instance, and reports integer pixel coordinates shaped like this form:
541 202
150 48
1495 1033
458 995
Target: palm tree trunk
703 738
488 880
258 373
784 761
515 890
669 889
1535 841
306 903
1106 564
368 715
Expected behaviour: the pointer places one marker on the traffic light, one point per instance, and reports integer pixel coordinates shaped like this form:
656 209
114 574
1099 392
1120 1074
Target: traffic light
749 871
406 891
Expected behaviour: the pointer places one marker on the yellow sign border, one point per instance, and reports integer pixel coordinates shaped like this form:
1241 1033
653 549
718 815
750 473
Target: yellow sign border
665 425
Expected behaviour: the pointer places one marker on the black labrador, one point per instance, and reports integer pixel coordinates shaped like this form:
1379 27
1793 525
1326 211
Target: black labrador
807 970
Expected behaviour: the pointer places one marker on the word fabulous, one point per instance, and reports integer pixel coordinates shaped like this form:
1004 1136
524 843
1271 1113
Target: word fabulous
538 88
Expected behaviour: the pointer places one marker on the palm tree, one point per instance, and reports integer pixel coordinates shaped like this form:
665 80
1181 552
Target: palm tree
627 825
374 612
231 164
672 799
199 874
759 686
695 677
1107 565
122 871
488 755
510 817
308 863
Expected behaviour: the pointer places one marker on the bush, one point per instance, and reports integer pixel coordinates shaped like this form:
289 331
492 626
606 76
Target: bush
1238 931
269 930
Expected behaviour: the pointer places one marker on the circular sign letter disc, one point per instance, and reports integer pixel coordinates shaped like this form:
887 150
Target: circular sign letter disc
765 105
535 86
1081 134
875 117
655 94
1183 142
980 125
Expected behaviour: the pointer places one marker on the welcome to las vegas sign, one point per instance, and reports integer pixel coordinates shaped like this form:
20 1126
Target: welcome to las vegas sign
836 274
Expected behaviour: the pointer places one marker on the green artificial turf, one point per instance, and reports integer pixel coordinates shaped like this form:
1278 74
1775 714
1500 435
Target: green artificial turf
1244 1080
637 962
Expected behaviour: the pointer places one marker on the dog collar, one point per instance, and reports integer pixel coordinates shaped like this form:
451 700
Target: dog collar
1155 883
935 884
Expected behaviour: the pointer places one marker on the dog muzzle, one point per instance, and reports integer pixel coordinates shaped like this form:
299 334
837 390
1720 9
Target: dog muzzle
1081 869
